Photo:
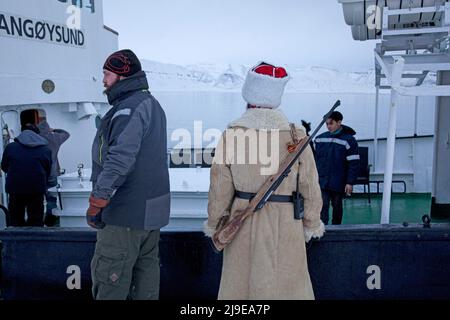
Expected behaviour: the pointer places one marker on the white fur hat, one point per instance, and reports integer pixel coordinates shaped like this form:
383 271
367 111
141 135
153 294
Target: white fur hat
264 85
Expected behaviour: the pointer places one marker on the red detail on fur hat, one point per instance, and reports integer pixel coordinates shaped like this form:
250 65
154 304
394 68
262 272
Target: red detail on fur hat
267 69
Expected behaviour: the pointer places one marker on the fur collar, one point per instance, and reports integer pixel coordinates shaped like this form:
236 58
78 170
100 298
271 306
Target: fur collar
262 118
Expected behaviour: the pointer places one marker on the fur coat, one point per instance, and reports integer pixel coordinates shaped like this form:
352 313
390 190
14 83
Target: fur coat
267 259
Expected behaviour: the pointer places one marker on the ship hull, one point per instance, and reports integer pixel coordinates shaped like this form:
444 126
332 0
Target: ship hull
350 262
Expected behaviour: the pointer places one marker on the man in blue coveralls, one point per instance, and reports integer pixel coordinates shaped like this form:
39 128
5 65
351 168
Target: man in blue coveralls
337 158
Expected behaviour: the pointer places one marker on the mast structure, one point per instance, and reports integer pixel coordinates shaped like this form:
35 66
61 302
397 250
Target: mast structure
414 43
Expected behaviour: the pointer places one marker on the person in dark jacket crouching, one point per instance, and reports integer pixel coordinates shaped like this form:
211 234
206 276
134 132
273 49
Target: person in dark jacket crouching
130 201
27 163
337 158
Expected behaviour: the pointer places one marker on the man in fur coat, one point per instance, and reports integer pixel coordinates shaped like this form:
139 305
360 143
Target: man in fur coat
267 258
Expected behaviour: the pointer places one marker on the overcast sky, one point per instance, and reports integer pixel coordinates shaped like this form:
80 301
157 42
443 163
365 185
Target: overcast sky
285 32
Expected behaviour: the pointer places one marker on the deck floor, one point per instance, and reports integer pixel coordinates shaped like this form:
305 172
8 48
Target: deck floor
404 208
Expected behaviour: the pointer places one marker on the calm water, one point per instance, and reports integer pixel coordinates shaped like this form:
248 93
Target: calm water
214 110
217 109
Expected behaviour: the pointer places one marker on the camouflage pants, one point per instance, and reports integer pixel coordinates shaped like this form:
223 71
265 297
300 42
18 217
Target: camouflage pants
126 264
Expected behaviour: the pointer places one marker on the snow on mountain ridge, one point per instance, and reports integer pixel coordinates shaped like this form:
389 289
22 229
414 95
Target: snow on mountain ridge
210 77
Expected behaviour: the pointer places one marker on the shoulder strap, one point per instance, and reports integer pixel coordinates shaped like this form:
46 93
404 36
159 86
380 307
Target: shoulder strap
295 139
294 135
295 142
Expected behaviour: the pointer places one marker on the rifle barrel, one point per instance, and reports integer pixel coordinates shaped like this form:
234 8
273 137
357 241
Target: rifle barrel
285 173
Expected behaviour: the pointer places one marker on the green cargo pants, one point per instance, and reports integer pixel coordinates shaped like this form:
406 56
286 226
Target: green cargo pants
126 264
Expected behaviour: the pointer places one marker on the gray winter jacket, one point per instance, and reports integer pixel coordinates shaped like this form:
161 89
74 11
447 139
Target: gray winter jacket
55 139
130 158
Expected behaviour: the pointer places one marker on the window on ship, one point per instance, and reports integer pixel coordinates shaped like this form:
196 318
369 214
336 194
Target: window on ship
89 4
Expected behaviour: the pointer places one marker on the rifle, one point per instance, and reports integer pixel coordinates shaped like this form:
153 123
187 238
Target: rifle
226 230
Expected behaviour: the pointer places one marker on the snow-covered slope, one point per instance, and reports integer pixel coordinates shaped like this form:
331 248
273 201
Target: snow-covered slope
208 77
319 79
170 77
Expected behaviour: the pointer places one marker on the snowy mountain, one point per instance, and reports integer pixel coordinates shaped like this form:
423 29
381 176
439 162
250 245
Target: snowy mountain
319 79
207 77
203 77
210 77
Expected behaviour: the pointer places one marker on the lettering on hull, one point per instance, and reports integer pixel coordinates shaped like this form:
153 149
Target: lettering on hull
40 30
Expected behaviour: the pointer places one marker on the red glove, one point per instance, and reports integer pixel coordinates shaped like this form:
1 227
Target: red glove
94 212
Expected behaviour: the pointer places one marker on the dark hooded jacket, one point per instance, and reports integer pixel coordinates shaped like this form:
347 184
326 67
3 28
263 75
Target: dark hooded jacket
129 155
55 139
27 163
337 158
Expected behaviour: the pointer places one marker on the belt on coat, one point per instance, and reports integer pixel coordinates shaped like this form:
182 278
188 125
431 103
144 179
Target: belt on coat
273 198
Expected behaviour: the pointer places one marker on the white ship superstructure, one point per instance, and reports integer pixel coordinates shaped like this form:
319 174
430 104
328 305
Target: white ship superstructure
51 59
415 40
48 67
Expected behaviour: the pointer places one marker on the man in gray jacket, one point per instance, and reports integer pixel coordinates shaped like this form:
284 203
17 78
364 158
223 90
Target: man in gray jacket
55 138
130 201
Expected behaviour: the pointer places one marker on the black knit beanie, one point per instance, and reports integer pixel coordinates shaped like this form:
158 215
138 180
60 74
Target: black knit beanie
123 63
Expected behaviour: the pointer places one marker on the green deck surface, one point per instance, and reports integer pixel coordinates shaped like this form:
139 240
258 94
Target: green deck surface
404 208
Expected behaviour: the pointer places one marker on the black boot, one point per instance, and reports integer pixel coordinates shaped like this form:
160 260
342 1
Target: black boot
51 220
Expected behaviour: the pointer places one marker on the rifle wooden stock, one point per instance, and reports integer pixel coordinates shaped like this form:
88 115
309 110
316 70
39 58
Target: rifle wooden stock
227 230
